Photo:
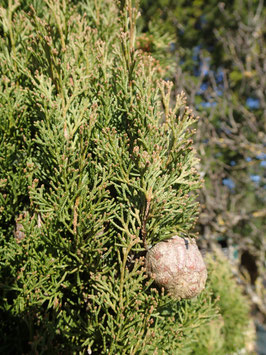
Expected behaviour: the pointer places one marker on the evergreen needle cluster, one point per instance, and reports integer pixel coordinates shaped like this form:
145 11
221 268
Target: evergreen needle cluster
96 166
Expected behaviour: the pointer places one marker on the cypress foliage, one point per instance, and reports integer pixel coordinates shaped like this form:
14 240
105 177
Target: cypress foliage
96 166
217 57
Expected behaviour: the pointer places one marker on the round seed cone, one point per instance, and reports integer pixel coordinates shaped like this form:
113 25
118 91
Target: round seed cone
177 265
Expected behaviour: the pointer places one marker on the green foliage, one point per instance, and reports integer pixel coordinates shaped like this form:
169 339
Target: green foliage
217 58
96 165
233 305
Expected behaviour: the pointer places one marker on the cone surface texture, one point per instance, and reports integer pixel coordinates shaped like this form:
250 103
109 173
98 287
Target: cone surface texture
177 265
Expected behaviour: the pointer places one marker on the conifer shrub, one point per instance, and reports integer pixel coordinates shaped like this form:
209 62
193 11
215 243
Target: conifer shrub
221 68
96 166
233 305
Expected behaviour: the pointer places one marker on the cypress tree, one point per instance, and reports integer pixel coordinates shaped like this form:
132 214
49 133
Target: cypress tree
96 167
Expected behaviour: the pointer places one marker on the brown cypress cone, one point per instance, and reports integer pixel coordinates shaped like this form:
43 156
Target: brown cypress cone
177 265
